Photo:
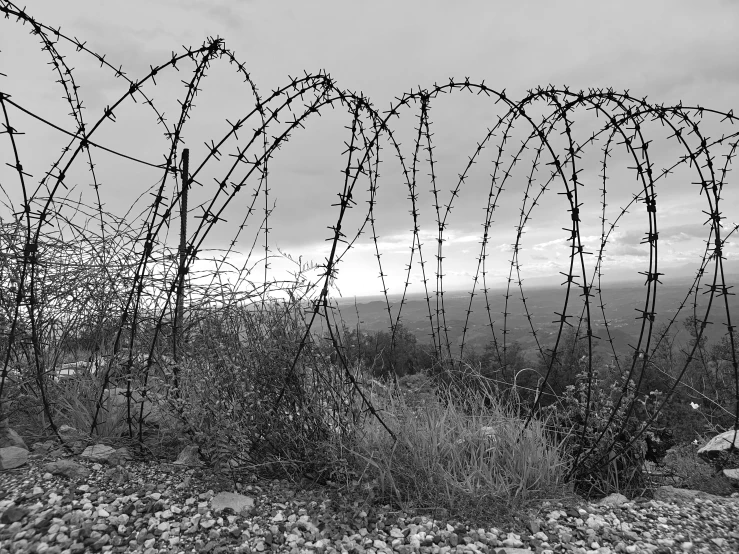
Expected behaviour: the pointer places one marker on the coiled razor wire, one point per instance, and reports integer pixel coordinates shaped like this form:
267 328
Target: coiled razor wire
555 165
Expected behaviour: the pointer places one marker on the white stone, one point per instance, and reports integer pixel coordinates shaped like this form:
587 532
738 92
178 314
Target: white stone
237 502
614 499
732 474
719 443
489 432
67 432
513 540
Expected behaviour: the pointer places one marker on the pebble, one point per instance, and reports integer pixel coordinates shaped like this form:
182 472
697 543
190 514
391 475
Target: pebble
97 516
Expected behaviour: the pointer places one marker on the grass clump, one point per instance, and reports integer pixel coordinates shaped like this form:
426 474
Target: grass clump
467 456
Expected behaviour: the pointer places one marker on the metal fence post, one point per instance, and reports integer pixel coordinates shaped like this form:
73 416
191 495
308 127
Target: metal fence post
180 305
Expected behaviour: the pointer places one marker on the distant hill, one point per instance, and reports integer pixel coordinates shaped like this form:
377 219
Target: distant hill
622 303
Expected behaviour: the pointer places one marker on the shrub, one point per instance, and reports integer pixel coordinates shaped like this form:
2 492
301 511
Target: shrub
607 457
243 406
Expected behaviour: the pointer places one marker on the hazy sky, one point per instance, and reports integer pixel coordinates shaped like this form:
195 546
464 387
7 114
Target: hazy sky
667 50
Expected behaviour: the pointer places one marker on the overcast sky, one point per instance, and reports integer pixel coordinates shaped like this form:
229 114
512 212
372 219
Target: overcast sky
670 51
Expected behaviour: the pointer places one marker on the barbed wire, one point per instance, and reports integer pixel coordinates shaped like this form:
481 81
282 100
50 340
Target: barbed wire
547 116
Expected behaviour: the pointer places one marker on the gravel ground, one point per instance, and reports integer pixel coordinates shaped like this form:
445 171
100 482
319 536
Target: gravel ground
153 508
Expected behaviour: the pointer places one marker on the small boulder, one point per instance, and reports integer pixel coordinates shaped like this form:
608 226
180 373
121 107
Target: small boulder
69 434
234 501
42 448
117 400
67 430
8 437
669 493
613 500
726 441
119 457
12 457
189 456
732 474
98 452
68 469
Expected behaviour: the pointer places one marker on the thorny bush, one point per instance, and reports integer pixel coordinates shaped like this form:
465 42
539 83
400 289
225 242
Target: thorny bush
245 405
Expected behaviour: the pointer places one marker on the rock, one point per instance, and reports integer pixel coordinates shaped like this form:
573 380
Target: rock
232 500
117 474
671 494
12 457
68 469
8 437
78 447
488 433
69 434
120 456
43 447
189 456
118 400
513 541
80 368
510 550
732 474
724 443
13 514
613 500
98 452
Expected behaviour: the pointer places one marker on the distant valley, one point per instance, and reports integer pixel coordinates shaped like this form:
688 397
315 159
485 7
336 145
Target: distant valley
622 303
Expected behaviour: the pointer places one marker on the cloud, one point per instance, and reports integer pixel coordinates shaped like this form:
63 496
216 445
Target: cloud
549 244
225 14
619 250
222 13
